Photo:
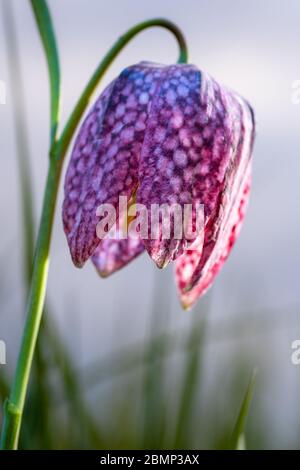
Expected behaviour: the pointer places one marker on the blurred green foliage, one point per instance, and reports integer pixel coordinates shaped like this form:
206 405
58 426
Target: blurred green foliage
150 404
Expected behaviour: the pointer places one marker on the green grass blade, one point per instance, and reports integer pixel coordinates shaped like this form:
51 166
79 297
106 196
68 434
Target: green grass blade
4 388
20 126
190 383
81 418
154 373
237 441
44 23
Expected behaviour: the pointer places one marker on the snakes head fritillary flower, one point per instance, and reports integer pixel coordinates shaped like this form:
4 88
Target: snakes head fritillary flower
161 135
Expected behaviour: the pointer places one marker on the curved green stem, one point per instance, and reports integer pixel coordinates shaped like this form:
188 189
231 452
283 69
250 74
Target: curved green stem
14 406
105 63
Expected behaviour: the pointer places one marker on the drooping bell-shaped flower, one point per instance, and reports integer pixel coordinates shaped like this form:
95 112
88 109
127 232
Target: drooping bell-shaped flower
161 135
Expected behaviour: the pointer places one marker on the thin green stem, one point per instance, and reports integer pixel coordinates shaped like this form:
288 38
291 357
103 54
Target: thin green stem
44 23
14 406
